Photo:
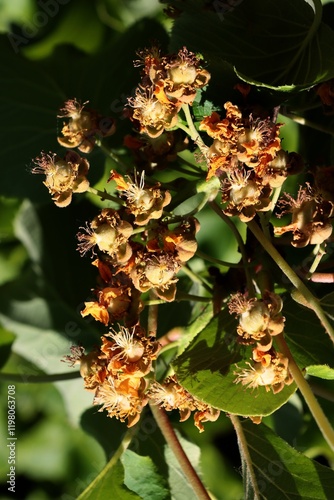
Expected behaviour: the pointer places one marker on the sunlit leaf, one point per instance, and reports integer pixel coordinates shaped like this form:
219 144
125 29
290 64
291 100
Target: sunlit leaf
321 371
208 368
283 472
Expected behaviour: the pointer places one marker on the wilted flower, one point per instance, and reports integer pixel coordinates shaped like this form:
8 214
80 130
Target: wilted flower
129 352
269 370
145 203
259 320
110 234
153 116
172 396
311 224
179 242
123 399
64 176
155 271
82 126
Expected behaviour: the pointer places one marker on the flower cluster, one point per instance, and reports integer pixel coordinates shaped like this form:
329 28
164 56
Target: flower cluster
247 157
259 321
116 372
167 83
172 396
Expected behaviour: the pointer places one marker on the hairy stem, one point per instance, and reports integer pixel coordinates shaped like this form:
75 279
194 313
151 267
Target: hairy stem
311 401
245 455
171 438
310 299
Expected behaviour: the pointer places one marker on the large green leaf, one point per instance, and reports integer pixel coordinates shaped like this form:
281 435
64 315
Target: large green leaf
281 45
208 367
33 91
280 470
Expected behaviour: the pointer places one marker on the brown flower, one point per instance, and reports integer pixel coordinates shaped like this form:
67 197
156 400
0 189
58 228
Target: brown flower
172 396
123 399
259 319
153 116
155 271
110 234
145 203
64 176
129 352
311 224
82 126
270 370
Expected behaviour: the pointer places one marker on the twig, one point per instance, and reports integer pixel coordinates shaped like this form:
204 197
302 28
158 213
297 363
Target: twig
170 436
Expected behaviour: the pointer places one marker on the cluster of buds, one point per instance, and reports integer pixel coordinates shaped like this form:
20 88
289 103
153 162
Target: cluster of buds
247 157
259 321
311 218
170 395
116 372
167 83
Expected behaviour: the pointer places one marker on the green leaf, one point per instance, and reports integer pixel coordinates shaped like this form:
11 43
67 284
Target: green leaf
208 367
108 432
321 371
141 476
280 45
6 341
33 92
283 472
179 485
307 339
109 484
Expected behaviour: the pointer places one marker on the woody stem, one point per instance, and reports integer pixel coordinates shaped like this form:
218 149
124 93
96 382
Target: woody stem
171 438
